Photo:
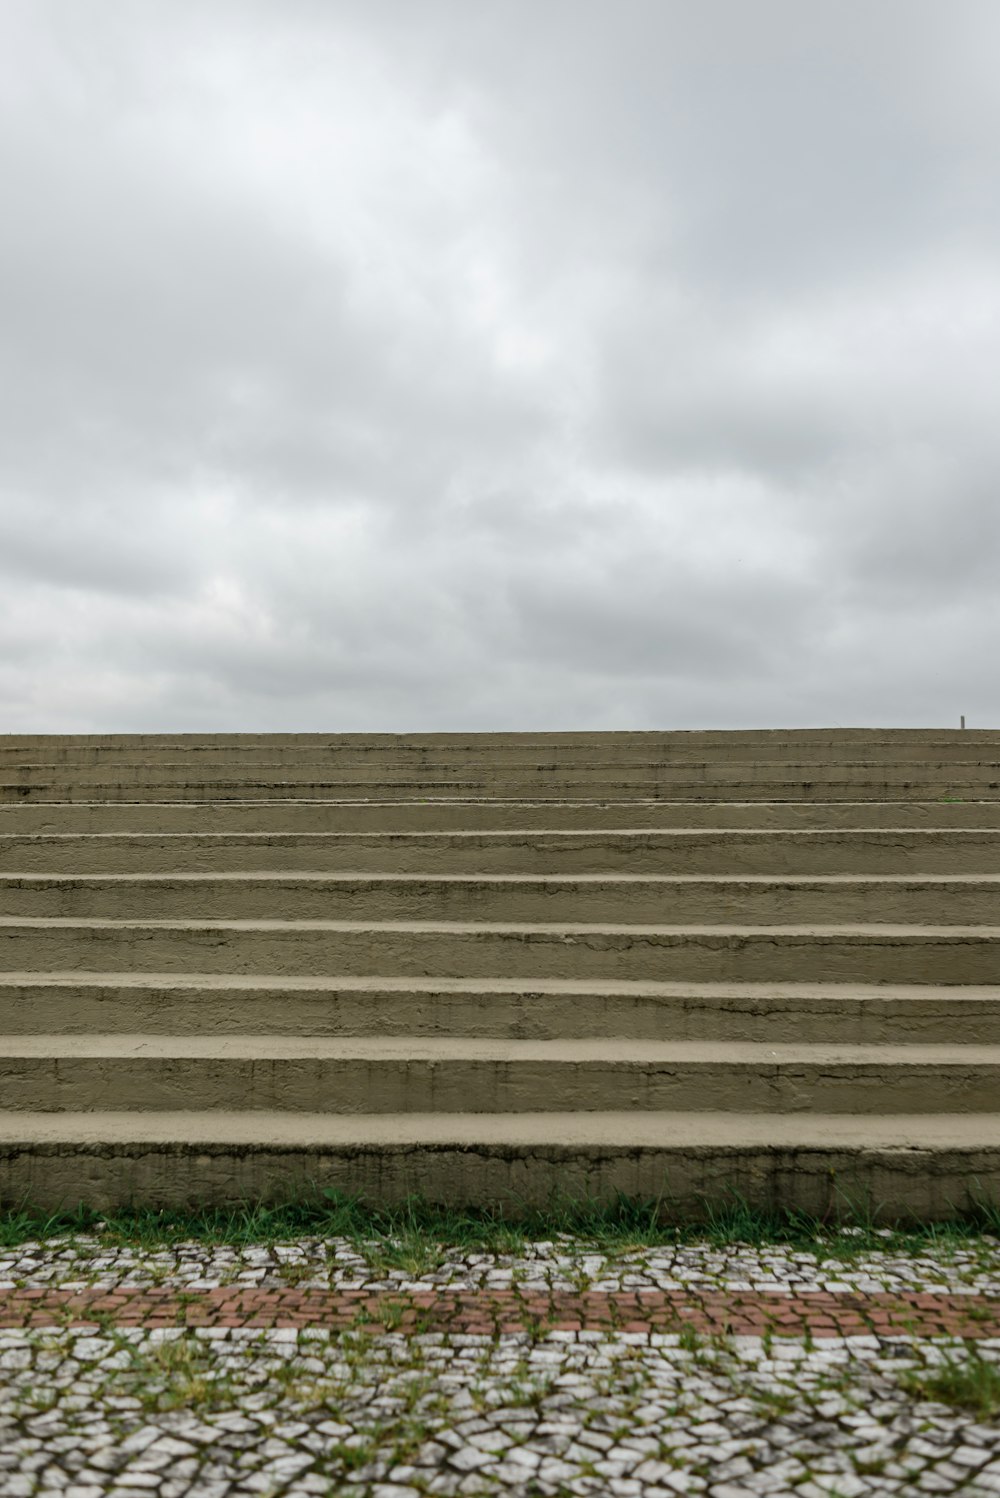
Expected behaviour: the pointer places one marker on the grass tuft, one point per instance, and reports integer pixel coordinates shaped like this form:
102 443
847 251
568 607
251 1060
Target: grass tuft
970 1383
418 1236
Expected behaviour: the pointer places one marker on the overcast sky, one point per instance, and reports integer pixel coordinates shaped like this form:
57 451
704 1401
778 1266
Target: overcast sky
412 364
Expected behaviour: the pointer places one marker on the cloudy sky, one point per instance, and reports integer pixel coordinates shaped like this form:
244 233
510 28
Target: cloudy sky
411 364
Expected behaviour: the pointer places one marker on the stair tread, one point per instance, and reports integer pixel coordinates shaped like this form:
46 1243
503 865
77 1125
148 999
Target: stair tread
626 988
296 763
512 834
421 1048
606 798
599 1131
631 802
530 762
339 877
954 932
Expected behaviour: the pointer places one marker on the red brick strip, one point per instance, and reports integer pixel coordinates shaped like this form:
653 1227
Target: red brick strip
491 1313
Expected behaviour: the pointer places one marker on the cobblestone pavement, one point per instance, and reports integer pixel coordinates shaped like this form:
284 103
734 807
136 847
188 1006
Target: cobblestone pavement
315 1368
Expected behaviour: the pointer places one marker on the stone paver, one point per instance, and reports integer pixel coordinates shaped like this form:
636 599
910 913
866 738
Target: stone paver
340 1263
545 1373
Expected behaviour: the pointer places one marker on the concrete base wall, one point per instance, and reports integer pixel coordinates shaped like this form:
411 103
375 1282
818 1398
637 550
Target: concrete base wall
502 968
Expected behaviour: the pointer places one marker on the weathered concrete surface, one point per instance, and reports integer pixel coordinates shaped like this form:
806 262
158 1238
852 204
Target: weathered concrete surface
916 1166
967 783
406 1074
705 954
85 1004
377 771
499 966
305 815
591 899
727 740
962 851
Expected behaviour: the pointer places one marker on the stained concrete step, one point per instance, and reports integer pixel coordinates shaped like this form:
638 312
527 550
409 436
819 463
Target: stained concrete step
406 744
297 762
214 1004
960 787
903 1166
402 1074
662 851
505 776
379 770
615 738
488 815
674 899
454 949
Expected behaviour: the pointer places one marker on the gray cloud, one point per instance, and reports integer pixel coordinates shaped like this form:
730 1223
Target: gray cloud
393 366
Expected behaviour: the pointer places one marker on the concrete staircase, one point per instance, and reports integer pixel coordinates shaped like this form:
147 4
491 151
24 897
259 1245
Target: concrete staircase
502 967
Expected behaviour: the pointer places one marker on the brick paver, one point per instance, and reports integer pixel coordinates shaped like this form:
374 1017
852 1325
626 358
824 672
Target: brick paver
709 1312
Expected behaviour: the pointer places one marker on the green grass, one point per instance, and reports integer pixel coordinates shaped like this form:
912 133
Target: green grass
969 1383
417 1236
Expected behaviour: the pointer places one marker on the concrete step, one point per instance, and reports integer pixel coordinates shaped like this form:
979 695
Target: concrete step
232 762
500 771
542 1009
905 1166
970 783
482 949
488 965
729 739
406 1073
592 851
504 770
643 899
309 817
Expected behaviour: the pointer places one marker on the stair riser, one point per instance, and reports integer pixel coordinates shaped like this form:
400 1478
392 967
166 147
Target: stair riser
683 957
478 1086
593 784
920 1185
241 758
460 816
732 853
597 902
964 788
378 770
617 740
82 1010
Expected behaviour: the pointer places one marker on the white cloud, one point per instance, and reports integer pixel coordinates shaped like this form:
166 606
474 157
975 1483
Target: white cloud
385 366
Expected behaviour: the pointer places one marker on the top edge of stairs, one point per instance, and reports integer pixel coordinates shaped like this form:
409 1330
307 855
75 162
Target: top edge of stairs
560 735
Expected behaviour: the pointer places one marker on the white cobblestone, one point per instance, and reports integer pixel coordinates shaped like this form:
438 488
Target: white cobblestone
97 1413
